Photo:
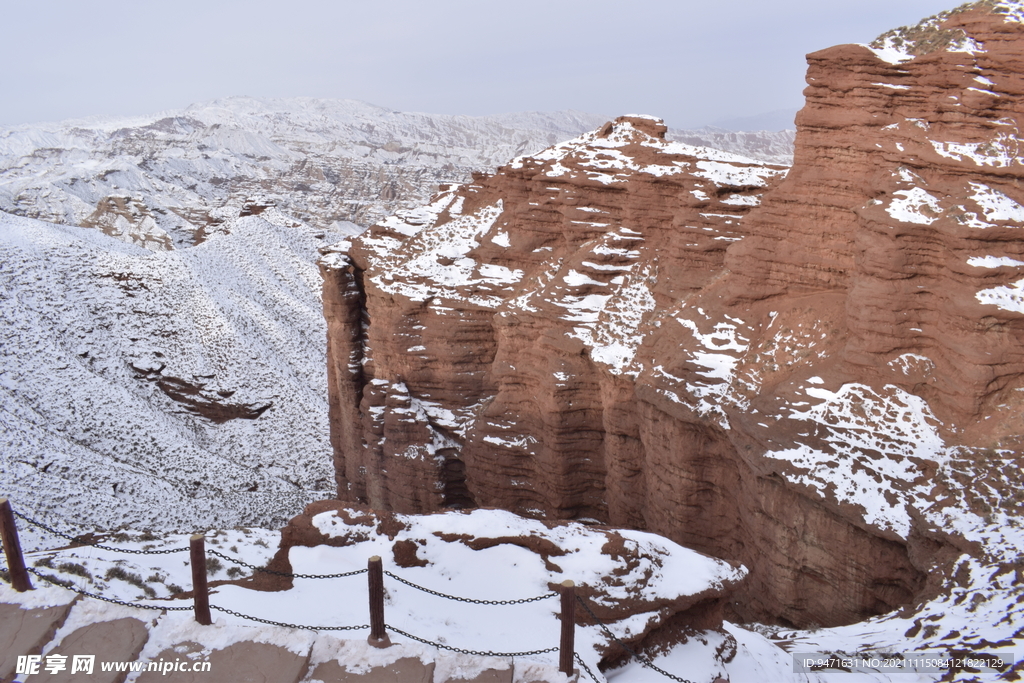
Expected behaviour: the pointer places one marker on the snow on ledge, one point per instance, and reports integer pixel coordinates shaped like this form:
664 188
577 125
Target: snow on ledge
995 205
1007 297
994 262
43 596
911 207
871 445
181 627
889 52
521 573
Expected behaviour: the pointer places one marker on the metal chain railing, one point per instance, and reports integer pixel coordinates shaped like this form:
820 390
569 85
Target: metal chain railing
480 653
286 625
75 589
285 574
585 667
640 658
78 539
566 596
470 600
71 587
476 653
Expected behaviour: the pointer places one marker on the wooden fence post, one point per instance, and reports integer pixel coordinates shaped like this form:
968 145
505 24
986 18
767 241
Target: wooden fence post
200 591
12 548
375 575
567 647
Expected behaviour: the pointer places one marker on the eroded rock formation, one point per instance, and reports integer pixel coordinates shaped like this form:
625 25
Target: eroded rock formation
788 370
624 577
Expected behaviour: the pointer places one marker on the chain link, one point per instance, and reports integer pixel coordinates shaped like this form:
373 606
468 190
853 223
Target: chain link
585 667
43 551
475 602
77 539
476 653
643 660
286 574
295 626
71 587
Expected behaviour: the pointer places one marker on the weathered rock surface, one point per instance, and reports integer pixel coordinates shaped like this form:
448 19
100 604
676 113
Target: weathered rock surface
903 201
798 372
451 294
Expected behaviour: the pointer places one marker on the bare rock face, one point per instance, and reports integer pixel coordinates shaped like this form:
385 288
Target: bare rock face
130 220
796 371
902 199
525 261
196 396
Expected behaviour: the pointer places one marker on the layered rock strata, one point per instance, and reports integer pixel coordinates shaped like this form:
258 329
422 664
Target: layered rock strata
445 270
793 371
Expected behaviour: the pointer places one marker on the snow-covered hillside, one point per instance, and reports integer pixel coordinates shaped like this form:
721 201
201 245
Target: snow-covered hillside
174 390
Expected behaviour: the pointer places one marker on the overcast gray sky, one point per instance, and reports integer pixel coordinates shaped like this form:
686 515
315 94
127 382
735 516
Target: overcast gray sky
690 62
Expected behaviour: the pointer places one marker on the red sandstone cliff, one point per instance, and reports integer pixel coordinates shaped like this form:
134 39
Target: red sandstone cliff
796 371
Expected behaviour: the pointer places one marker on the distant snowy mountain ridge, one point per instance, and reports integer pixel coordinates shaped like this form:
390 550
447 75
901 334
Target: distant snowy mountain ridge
169 180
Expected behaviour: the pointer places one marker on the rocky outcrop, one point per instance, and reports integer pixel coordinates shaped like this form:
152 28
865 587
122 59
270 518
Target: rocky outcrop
130 220
904 199
620 575
209 404
450 294
788 370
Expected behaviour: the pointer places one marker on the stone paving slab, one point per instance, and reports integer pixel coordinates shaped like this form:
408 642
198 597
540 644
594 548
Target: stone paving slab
404 670
243 662
25 632
123 639
119 640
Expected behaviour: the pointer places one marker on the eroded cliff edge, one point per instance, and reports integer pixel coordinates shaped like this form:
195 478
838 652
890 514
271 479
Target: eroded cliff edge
817 373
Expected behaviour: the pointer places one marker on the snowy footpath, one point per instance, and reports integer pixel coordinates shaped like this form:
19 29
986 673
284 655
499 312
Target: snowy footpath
48 635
